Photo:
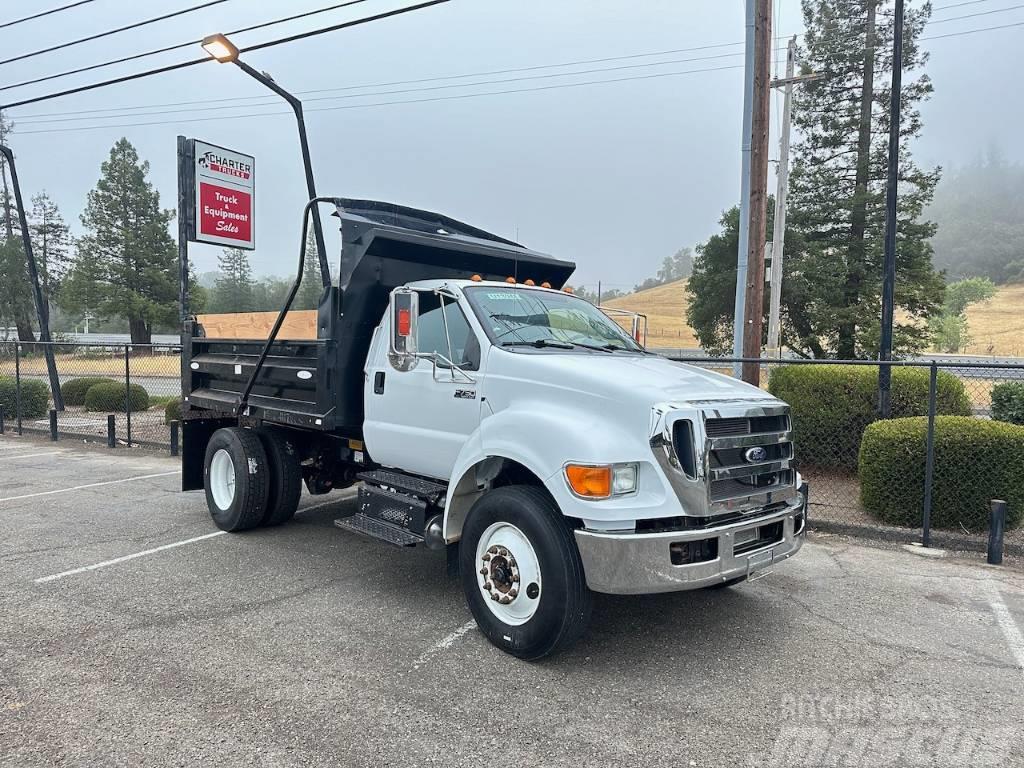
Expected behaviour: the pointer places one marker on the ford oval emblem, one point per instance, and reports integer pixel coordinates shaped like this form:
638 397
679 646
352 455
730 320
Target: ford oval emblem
755 455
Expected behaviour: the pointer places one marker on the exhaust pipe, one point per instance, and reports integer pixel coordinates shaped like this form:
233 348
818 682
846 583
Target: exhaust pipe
433 533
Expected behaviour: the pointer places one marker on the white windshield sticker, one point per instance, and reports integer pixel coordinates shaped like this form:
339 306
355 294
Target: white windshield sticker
507 296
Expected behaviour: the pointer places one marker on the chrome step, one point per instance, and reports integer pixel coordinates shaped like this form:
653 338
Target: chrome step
375 529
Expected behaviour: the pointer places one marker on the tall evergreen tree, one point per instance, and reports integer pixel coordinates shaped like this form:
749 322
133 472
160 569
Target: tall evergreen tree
312 284
16 295
232 292
127 263
51 243
837 185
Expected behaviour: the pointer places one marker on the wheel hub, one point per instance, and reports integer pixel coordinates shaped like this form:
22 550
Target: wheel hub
506 561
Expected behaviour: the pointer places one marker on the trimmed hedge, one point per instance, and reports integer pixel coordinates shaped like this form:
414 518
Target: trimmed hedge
172 411
832 404
975 461
110 397
35 398
74 390
1008 402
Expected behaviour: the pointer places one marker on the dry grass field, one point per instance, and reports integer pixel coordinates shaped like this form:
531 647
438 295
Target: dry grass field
996 327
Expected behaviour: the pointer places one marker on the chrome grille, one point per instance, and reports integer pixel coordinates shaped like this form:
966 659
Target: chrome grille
737 471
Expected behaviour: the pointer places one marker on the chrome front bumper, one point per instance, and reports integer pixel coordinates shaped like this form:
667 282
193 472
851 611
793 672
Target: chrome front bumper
640 563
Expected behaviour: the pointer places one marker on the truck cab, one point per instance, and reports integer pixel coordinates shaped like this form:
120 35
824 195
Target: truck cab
485 411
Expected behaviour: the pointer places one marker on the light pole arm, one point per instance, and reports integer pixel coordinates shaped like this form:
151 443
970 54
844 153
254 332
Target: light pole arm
296 105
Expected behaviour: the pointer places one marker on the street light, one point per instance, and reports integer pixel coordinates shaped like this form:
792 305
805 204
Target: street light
224 51
220 48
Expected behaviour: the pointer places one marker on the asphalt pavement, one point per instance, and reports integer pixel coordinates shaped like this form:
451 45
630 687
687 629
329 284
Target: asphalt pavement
133 633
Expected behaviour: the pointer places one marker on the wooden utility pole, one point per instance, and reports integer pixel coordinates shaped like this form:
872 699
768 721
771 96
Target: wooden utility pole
758 207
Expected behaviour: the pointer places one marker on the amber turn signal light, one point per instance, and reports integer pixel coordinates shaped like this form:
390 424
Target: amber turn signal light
589 482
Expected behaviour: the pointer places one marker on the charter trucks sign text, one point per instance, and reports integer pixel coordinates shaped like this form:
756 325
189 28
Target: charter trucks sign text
225 196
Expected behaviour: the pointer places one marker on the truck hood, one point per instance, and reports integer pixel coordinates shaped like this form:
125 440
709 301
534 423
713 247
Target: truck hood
624 378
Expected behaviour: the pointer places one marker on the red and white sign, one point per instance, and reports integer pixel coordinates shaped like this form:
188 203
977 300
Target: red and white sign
225 196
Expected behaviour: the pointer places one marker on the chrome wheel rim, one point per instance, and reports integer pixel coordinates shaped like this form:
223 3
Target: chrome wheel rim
222 479
508 573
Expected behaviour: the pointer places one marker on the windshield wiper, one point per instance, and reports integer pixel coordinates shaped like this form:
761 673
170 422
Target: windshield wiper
538 343
606 348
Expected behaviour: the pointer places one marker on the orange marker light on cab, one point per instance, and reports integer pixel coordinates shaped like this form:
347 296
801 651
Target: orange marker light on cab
510 280
476 278
528 281
545 284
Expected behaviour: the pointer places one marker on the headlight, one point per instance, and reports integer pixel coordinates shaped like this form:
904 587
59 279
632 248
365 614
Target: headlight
601 481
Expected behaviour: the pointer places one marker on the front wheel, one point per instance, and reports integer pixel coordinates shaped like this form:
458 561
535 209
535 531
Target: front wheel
522 573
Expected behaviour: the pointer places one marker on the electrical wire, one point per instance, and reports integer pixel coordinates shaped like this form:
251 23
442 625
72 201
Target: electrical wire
397 102
205 59
178 46
116 30
24 119
979 13
40 15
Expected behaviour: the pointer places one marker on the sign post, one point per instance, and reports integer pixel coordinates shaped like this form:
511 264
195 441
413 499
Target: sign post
216 202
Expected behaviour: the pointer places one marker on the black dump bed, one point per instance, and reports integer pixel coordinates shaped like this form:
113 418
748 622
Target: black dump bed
319 384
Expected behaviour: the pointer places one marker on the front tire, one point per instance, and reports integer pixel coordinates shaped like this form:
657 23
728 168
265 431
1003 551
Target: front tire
522 574
236 479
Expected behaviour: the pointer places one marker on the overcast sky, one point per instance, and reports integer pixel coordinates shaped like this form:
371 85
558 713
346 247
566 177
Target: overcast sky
614 176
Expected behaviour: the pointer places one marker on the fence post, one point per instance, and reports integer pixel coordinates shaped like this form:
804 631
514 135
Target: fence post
111 431
1 419
53 424
174 438
17 386
127 395
996 528
929 462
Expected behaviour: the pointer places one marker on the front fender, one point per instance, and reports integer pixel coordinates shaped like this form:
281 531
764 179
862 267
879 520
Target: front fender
543 439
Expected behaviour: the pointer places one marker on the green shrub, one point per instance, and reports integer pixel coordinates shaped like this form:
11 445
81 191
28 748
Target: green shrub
975 461
74 390
1008 402
35 398
832 404
110 397
172 411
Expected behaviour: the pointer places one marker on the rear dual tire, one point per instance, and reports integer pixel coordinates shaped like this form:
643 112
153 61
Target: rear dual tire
251 478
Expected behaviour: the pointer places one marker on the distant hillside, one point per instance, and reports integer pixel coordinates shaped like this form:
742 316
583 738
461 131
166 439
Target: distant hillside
996 326
665 307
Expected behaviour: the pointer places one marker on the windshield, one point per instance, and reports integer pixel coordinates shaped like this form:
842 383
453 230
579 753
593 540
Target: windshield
520 316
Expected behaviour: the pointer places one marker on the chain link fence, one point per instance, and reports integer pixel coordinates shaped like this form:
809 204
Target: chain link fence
953 441
109 390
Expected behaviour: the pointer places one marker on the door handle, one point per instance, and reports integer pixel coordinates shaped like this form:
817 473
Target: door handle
378 383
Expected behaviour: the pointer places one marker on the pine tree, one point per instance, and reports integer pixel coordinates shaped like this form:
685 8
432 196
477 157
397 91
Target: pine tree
837 190
232 292
127 263
16 295
308 296
51 243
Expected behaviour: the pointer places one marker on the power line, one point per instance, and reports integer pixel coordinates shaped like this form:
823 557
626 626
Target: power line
399 82
98 35
959 5
24 121
44 13
972 31
177 46
979 13
397 102
203 60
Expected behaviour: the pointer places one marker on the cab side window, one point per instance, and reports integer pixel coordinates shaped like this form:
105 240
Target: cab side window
465 350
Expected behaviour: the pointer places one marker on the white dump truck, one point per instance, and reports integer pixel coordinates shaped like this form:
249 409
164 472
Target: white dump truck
486 412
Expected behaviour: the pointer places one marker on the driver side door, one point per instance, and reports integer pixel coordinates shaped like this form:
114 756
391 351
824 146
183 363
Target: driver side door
419 419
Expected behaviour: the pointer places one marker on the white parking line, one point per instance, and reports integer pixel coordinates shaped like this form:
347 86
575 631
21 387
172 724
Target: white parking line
443 644
116 560
30 455
1004 619
173 545
89 485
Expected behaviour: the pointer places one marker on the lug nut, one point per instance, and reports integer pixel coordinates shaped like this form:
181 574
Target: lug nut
493 596
493 550
487 586
512 593
483 571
